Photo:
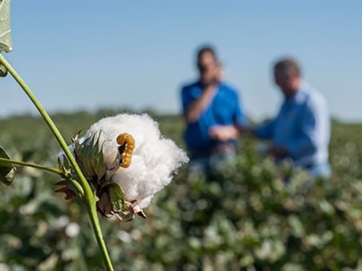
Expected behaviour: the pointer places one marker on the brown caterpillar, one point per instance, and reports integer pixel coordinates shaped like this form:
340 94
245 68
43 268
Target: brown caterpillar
126 148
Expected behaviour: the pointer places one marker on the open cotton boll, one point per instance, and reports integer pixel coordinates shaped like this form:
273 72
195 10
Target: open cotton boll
127 160
154 157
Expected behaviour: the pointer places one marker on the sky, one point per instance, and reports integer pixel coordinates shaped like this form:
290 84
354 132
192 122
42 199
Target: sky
88 54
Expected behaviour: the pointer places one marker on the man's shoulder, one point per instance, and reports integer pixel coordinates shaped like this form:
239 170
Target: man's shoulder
313 97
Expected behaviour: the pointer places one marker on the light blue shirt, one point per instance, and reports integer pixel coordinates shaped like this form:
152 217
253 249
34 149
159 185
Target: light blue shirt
302 127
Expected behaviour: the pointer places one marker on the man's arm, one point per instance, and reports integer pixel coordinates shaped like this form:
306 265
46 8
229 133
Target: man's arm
264 131
197 107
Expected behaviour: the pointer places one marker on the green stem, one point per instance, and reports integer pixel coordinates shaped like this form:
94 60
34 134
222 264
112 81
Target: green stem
49 169
25 164
98 232
89 197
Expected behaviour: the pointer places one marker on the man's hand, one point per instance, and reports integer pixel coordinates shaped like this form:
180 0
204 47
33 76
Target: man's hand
223 133
218 74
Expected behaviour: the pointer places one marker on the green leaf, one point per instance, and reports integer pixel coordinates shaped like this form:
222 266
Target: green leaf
7 170
116 196
5 30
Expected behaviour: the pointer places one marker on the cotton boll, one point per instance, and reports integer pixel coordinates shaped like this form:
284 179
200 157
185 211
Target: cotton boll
154 158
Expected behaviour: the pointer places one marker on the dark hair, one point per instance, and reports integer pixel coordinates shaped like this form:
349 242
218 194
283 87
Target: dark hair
287 66
206 49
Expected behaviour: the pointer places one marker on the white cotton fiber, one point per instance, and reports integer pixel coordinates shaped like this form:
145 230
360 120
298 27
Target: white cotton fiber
154 158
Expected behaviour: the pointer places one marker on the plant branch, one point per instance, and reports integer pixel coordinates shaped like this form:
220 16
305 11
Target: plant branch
25 164
49 169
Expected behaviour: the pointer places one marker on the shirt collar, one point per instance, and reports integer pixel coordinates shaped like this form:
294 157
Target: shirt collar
300 95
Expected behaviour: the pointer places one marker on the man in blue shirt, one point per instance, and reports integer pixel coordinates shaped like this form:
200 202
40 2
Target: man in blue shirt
212 112
301 129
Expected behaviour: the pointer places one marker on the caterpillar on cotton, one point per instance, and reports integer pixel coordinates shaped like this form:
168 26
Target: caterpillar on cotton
126 148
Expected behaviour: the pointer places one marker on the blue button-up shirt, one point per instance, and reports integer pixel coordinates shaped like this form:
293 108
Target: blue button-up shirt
224 109
302 127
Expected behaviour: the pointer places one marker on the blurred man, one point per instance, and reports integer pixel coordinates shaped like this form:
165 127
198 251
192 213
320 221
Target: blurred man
301 129
212 112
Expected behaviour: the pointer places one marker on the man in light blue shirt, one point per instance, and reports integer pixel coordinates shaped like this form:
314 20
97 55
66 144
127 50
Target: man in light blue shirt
301 129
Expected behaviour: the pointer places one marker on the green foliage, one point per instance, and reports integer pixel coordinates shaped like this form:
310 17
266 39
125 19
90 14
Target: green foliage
244 218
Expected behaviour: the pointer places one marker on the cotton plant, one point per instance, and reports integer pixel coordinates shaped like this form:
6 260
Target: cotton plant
126 160
116 168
